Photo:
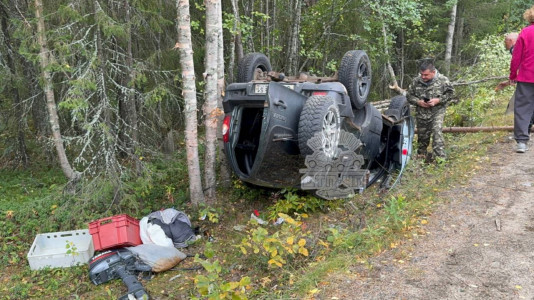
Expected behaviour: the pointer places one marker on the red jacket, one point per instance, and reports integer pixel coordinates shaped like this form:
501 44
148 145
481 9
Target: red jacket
522 65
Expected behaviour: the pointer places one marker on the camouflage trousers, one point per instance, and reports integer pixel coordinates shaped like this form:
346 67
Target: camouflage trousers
430 124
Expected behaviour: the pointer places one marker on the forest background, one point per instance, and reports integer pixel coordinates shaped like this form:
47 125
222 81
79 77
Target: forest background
95 107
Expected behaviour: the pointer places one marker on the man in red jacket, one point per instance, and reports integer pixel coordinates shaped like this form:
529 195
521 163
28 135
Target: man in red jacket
522 72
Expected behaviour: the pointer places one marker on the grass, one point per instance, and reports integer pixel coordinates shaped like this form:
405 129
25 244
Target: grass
34 201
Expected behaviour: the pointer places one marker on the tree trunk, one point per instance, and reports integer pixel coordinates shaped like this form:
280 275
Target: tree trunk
224 174
231 58
458 39
111 139
238 37
128 105
210 96
450 36
294 42
402 58
267 29
274 22
71 174
189 92
394 86
21 152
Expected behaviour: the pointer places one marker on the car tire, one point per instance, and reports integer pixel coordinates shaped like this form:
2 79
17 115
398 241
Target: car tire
320 114
355 75
398 108
249 63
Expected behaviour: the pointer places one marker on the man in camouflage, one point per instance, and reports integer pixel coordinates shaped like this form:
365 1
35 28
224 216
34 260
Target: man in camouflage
430 93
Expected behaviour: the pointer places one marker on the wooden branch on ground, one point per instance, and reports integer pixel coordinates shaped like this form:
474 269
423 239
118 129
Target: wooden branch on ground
402 91
479 81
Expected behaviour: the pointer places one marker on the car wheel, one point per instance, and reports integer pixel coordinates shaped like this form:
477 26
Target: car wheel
247 66
320 115
355 75
369 120
398 108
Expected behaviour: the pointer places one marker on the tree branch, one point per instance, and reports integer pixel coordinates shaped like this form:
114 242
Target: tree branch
459 83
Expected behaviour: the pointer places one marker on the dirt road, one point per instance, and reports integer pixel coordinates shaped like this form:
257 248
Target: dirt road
479 244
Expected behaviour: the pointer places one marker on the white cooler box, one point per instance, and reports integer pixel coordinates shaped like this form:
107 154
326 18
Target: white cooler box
50 249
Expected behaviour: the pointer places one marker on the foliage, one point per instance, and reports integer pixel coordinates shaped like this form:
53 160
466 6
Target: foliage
336 237
72 249
395 210
245 191
294 202
212 286
289 242
209 212
492 60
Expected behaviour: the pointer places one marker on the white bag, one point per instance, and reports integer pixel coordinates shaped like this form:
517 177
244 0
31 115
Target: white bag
153 234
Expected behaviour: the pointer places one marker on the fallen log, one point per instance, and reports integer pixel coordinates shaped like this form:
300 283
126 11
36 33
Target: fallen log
477 129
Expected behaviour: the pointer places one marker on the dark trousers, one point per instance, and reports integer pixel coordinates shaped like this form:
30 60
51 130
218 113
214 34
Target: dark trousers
523 110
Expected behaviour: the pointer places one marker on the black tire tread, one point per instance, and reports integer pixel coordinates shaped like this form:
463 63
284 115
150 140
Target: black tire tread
248 64
397 105
348 75
311 119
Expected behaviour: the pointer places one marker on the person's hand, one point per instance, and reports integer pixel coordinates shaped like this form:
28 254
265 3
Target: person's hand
422 103
433 102
502 85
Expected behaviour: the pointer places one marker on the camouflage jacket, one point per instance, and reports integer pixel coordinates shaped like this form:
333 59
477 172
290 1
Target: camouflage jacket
438 87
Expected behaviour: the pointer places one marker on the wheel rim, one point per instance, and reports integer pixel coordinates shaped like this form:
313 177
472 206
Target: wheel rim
330 133
363 80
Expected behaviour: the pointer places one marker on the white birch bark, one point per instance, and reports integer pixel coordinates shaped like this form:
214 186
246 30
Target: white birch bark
450 37
238 37
294 42
44 61
224 174
189 93
231 53
210 96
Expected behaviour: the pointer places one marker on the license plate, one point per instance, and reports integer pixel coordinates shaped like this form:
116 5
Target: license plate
261 88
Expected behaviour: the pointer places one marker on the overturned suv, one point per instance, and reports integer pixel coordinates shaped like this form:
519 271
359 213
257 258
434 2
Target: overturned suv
314 133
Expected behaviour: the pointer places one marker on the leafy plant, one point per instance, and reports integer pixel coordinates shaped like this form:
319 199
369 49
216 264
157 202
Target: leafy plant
289 242
293 203
209 212
71 248
212 286
395 210
336 237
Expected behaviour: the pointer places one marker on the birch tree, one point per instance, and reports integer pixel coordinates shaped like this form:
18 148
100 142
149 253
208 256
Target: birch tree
236 45
189 92
210 96
44 61
292 61
450 36
223 165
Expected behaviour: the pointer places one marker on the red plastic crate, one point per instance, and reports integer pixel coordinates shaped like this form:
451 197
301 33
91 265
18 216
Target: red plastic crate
113 232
